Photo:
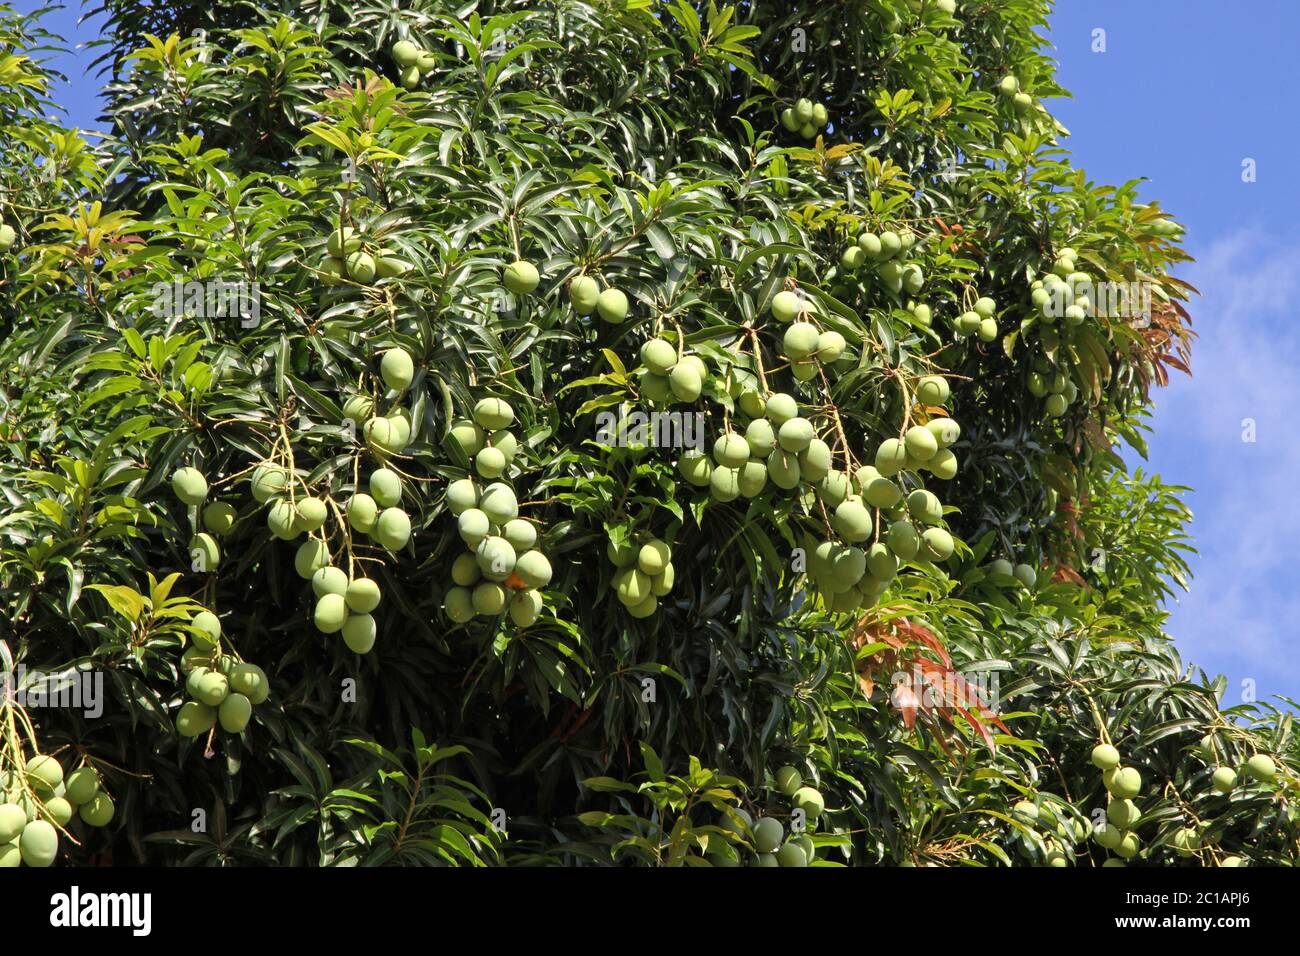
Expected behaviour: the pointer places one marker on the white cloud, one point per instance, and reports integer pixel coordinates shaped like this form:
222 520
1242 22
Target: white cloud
1242 613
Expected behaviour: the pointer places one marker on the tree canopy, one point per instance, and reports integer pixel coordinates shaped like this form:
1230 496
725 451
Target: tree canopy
590 432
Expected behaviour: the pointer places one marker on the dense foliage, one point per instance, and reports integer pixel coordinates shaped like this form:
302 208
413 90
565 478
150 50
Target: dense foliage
659 149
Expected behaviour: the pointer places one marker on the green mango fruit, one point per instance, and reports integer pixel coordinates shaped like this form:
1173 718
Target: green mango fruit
696 468
936 544
525 608
358 409
473 526
219 517
686 382
534 569
312 513
830 346
891 456
361 267
810 802
903 540
852 520
795 435
496 559
584 292
330 613
190 486
204 547
38 844
724 483
499 503
788 780
814 460
459 605
752 478
1261 768
658 356
79 787
362 511
462 495
834 488
251 681
787 306
465 570
521 277
731 450
781 408
521 534
362 595
342 242
767 834
268 480
234 713
783 469
282 519
924 507
493 414
195 718
359 632
920 443
393 529
397 369
312 556
612 306
205 629
490 463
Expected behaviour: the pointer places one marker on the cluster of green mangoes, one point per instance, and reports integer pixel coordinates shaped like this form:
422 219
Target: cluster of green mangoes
289 517
7 236
345 604
221 689
37 801
486 439
805 117
191 486
645 573
1009 87
1002 571
850 573
886 251
1062 834
1259 768
413 61
767 835
388 434
350 256
778 444
669 377
503 570
1063 293
586 296
1052 384
1122 814
979 320
806 347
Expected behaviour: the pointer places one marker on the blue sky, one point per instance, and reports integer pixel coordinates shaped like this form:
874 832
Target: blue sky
1187 90
1184 92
